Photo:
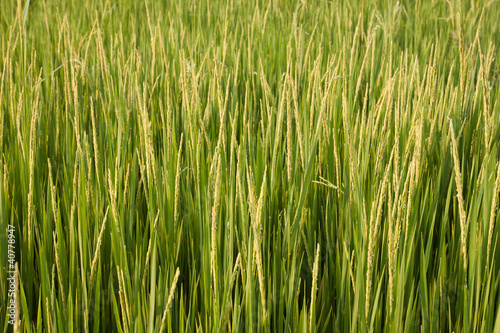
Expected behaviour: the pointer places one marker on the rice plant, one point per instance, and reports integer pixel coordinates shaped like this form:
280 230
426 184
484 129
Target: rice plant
249 166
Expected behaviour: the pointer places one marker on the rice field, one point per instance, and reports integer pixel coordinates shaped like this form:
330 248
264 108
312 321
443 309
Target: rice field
249 166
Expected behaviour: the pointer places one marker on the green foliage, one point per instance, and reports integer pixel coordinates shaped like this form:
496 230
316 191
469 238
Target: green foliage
251 166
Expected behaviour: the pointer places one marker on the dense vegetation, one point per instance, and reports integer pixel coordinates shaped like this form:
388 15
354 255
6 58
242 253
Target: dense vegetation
251 166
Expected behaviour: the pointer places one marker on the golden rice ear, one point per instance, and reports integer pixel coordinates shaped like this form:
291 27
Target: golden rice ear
215 212
95 143
170 300
315 271
125 308
375 219
177 182
96 254
234 276
17 316
494 205
58 265
31 165
460 196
